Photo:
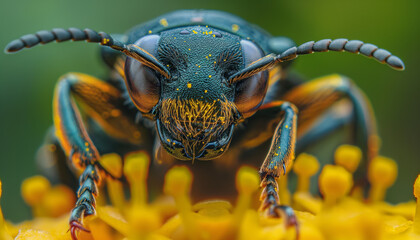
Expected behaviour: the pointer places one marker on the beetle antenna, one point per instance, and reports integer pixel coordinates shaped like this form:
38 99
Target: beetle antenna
75 34
325 45
343 45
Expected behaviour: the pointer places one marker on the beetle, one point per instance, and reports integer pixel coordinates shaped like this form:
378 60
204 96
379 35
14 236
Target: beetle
209 86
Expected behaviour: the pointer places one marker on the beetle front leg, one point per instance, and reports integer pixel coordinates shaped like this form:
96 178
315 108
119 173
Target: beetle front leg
81 151
104 103
79 147
281 154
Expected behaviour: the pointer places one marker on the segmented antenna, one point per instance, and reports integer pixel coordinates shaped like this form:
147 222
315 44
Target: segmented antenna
75 34
341 45
60 35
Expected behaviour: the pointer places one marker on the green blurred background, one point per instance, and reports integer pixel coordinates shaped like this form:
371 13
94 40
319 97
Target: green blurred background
27 79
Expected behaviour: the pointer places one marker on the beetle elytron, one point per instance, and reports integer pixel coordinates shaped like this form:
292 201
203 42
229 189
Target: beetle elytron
207 80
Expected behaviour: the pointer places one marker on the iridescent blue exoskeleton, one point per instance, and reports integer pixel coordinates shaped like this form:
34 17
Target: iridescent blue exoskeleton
207 86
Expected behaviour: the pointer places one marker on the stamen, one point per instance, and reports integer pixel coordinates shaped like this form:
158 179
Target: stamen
113 164
334 183
382 173
136 168
247 182
58 201
348 156
284 192
34 190
305 167
178 182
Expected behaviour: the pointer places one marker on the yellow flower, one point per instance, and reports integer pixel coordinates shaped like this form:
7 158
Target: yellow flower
334 215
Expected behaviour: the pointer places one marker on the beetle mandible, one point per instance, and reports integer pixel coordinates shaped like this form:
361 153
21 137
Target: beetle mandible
205 80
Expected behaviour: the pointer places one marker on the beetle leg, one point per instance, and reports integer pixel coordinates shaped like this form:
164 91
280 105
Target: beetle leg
96 98
315 97
334 118
280 156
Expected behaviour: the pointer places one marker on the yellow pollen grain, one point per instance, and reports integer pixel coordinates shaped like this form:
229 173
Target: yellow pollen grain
163 22
86 144
235 27
150 31
209 55
287 126
195 32
209 76
205 91
189 49
168 140
189 85
177 89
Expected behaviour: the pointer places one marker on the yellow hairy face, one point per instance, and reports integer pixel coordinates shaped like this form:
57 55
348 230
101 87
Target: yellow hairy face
194 122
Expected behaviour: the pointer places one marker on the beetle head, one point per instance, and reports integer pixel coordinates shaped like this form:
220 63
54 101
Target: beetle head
197 81
196 107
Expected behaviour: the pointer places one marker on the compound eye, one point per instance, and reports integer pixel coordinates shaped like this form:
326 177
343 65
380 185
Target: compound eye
143 83
250 92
